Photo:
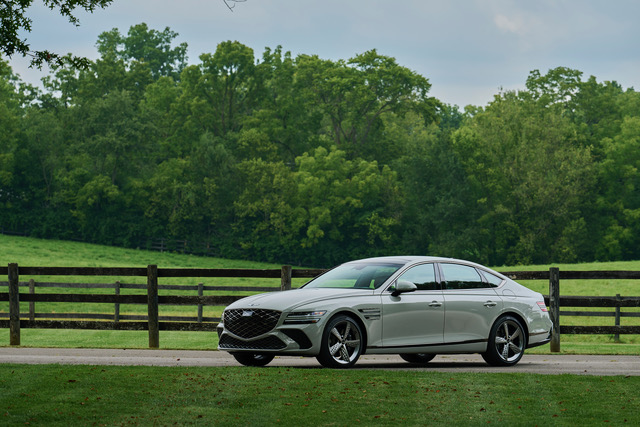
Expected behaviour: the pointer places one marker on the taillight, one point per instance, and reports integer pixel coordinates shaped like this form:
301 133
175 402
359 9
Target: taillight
542 306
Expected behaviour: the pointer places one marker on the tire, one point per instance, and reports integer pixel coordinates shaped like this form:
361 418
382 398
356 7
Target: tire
418 358
342 343
253 359
507 342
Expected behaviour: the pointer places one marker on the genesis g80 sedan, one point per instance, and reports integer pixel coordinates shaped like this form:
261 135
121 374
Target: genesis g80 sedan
414 306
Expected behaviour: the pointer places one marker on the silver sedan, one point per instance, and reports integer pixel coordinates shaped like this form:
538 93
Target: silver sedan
413 306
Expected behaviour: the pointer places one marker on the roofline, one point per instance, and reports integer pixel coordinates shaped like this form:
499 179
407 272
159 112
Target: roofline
406 259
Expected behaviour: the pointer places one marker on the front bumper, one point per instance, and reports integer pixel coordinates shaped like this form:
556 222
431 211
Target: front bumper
292 339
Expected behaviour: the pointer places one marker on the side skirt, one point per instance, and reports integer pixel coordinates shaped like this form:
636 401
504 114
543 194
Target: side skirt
471 346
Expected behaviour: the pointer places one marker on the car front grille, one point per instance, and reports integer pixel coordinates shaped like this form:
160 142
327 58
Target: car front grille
267 343
250 323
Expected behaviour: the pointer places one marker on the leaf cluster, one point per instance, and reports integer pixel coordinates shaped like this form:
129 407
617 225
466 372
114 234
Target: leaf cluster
14 19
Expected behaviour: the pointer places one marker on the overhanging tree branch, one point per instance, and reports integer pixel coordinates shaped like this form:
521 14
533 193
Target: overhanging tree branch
232 3
13 19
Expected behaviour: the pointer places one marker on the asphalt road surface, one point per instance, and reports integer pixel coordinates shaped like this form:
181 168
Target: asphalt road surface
538 364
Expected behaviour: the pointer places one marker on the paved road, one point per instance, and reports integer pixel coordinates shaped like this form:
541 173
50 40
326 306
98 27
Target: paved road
540 364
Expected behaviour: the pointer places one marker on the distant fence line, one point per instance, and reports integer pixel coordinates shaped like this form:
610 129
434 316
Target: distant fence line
153 323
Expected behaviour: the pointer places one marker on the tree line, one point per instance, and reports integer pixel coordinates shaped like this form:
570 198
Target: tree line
311 161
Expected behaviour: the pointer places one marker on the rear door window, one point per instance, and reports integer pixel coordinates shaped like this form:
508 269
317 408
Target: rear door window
458 276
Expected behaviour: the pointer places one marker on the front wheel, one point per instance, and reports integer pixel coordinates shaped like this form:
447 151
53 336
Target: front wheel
507 342
253 359
418 358
342 343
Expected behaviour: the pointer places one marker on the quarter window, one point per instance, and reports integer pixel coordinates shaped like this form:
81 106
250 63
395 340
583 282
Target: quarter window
459 276
423 276
494 280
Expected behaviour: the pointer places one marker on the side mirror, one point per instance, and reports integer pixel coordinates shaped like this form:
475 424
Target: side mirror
403 286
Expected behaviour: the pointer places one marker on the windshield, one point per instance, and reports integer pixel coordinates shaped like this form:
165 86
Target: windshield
355 275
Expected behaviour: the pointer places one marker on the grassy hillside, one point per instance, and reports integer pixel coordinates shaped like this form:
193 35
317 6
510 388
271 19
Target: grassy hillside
40 252
36 252
28 251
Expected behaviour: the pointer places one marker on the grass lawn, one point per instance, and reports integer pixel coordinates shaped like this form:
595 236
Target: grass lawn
51 395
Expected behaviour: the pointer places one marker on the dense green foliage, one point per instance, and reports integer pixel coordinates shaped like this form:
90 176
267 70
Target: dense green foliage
311 161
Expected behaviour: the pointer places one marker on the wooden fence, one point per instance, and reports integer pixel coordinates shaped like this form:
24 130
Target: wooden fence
153 323
554 302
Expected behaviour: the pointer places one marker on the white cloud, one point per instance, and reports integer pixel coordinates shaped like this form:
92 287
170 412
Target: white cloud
510 25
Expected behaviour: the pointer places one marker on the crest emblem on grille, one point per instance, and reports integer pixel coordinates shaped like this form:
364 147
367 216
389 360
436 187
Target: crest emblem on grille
247 313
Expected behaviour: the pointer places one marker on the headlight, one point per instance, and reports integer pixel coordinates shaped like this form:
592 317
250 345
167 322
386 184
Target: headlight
304 317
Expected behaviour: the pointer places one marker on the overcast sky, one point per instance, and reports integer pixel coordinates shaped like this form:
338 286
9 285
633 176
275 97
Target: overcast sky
468 49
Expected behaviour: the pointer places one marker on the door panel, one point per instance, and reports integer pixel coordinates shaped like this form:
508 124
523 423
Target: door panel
413 319
472 305
470 314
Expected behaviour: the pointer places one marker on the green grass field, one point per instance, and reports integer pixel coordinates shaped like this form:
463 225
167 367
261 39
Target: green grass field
54 395
36 252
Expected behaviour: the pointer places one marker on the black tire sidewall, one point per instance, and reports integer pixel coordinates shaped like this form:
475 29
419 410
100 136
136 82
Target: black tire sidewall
253 359
491 356
324 357
417 358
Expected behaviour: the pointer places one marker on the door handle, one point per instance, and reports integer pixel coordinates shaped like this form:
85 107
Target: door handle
490 304
435 304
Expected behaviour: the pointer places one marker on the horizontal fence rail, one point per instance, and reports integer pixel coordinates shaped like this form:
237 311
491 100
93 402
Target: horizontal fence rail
153 322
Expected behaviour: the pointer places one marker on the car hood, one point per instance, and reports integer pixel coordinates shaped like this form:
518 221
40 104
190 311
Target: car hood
282 301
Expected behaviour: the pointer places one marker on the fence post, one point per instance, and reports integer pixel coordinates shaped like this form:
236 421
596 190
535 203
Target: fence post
200 293
617 336
152 299
14 305
554 307
285 278
116 307
32 304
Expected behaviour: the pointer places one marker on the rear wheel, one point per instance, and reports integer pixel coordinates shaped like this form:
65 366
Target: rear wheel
419 358
507 342
341 344
253 359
